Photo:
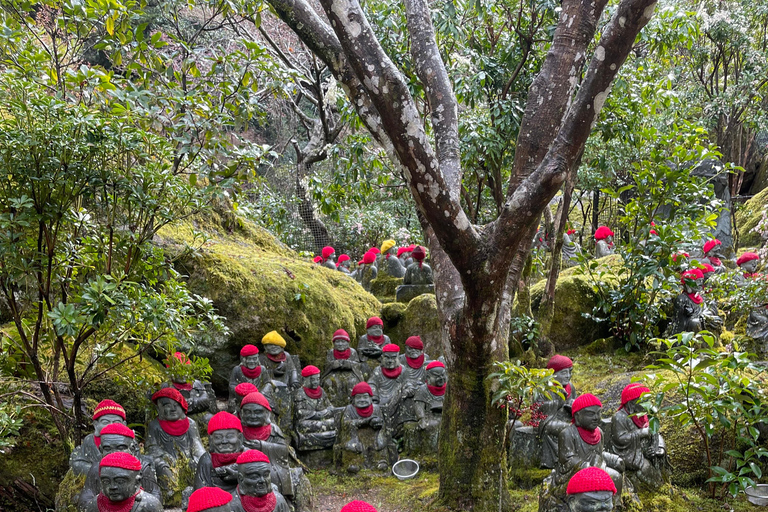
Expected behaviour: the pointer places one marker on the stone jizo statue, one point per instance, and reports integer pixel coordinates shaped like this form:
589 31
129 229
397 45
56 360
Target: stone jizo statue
370 344
363 439
749 263
342 370
117 437
389 385
590 490
210 499
170 436
366 270
643 452
418 278
315 415
279 363
557 410
571 250
421 436
218 467
757 328
120 478
249 371
87 454
391 264
343 264
254 490
201 400
414 363
689 305
604 242
712 255
329 257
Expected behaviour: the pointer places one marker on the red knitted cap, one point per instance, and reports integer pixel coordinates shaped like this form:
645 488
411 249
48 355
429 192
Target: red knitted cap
747 256
693 273
707 268
245 388
558 362
603 232
341 334
419 253
362 387
224 421
117 429
570 232
181 357
414 342
374 320
120 460
590 480
317 259
711 245
680 254
208 497
256 398
585 400
249 350
401 250
632 391
310 370
391 347
327 251
435 364
173 394
108 407
249 456
358 506
342 259
368 258
375 250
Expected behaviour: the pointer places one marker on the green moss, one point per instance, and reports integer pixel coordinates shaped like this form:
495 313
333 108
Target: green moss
384 287
527 478
260 286
417 318
748 216
392 313
69 491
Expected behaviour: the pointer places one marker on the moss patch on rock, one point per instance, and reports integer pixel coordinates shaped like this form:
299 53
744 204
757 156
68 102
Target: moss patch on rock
260 285
748 216
385 286
417 318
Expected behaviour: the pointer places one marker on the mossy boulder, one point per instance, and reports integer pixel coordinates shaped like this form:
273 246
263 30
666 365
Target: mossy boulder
748 216
384 286
260 285
417 318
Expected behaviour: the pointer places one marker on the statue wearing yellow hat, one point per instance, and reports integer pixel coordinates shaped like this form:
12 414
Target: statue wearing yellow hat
390 264
280 367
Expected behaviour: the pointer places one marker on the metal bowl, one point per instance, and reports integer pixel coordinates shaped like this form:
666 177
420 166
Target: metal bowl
757 495
405 469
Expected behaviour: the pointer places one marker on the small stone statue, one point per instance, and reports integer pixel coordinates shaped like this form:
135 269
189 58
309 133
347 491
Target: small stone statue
116 437
263 435
317 259
389 386
343 264
329 257
604 242
580 445
210 499
404 255
748 263
712 255
366 270
218 468
571 250
370 344
279 363
680 260
254 490
120 479
557 410
249 370
590 490
418 278
315 415
87 454
342 370
414 363
376 252
421 436
688 306
392 265
757 328
643 452
201 401
363 440
171 436
707 271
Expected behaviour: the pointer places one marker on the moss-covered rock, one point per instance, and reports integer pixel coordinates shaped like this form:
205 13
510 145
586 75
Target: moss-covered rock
384 287
417 318
748 216
260 285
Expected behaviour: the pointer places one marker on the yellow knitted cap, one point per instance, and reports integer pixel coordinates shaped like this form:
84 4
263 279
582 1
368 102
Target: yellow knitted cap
387 245
273 338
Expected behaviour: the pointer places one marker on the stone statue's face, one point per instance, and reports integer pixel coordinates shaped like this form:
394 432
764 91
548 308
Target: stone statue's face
250 362
273 350
311 382
693 285
564 376
757 323
332 257
375 331
111 443
437 377
362 400
609 239
588 418
714 252
340 344
105 420
750 267
254 478
228 440
392 251
345 263
633 406
413 353
591 502
254 415
389 360
119 484
169 410
198 391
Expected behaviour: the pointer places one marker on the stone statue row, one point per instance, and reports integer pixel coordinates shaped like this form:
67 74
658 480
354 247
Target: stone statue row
574 436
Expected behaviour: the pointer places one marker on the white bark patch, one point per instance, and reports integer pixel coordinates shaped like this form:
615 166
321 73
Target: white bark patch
622 21
461 223
648 12
600 53
447 213
613 67
354 29
599 101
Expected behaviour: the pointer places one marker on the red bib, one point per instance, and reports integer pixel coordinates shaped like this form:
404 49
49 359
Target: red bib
251 374
257 433
264 503
314 393
415 363
224 459
105 505
186 386
393 373
276 359
590 436
175 428
344 354
365 412
437 390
